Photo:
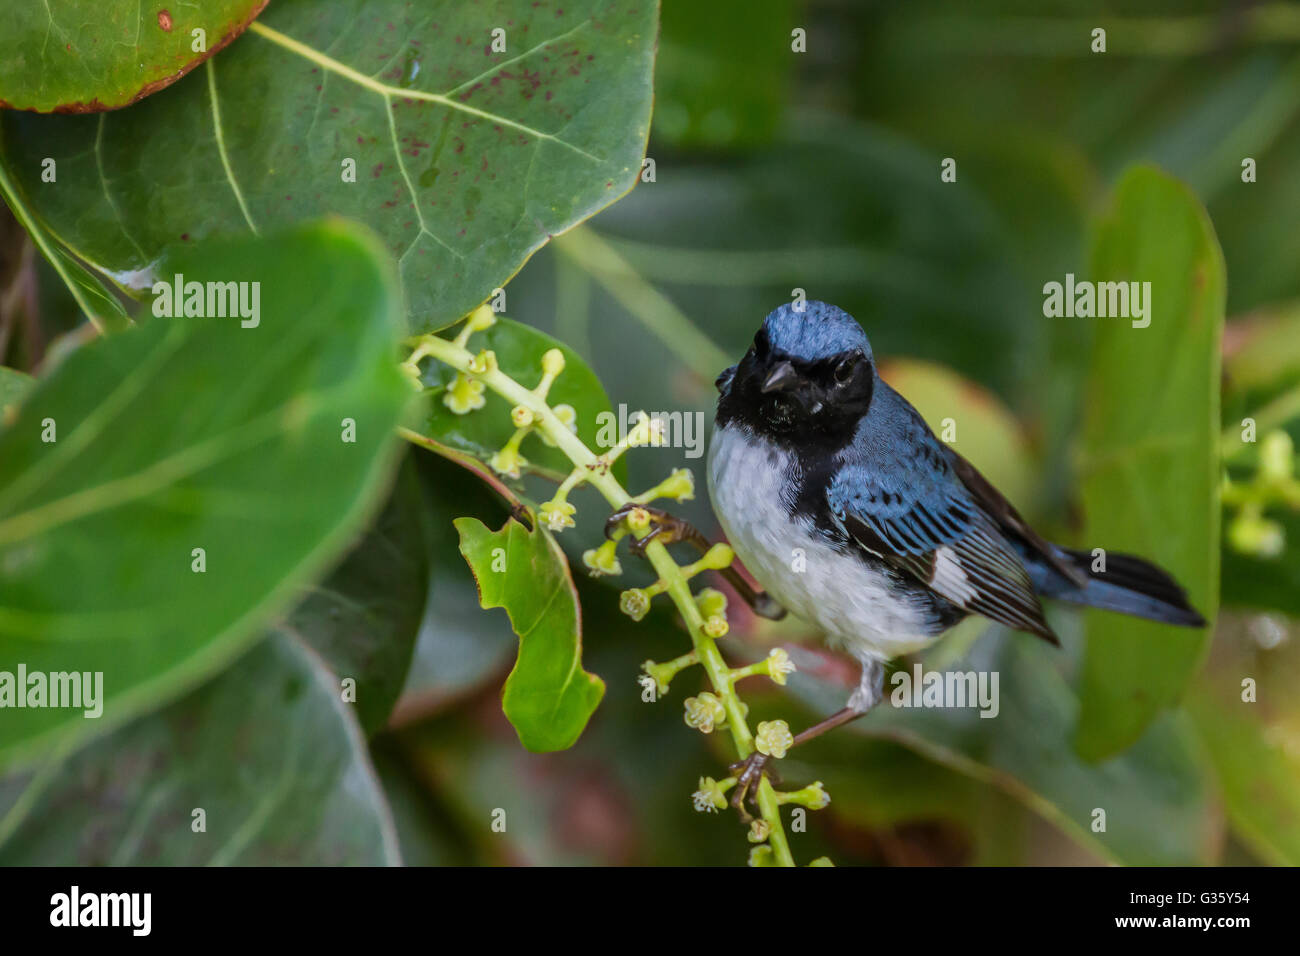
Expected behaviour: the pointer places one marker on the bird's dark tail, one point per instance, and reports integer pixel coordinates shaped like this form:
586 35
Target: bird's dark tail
1127 584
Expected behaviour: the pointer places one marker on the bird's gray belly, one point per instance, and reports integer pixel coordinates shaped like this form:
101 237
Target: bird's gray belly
854 605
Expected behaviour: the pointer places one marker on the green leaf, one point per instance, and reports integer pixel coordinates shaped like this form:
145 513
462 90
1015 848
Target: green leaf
1251 742
466 159
195 433
548 697
99 305
14 385
1150 460
364 618
519 351
267 750
84 56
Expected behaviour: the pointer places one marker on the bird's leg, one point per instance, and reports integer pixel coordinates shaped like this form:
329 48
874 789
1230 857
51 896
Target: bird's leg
749 771
669 530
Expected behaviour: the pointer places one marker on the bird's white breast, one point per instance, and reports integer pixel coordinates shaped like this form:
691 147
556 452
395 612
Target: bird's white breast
851 603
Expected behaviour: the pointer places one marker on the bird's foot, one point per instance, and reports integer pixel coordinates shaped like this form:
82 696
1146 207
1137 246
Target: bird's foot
668 529
664 528
748 773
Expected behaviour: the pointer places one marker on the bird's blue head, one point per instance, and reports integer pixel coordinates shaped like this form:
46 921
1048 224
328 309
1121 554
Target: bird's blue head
808 376
811 331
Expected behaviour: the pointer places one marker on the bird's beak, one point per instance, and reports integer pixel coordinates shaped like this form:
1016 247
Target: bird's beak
780 379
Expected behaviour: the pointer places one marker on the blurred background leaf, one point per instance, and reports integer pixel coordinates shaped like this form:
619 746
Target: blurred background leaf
1150 467
13 386
1245 709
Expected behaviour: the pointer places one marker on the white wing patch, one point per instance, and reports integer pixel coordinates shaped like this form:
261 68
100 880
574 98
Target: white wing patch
949 578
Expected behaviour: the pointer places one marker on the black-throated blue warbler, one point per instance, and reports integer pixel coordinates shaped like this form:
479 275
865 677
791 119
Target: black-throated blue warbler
898 537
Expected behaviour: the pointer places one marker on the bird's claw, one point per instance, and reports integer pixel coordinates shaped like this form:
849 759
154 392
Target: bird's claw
748 773
663 527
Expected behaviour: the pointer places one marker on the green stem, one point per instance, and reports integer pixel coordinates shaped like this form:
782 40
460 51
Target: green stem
670 573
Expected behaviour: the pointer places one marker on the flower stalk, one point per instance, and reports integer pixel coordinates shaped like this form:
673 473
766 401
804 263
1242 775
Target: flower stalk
703 613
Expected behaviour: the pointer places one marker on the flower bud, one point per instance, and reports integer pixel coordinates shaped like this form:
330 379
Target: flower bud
635 603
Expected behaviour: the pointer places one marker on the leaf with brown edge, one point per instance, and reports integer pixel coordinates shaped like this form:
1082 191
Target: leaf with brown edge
463 157
88 56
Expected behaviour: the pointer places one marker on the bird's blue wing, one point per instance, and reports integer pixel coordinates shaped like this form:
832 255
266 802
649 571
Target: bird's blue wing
906 505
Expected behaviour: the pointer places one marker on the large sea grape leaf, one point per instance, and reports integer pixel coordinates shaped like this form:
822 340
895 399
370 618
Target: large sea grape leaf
187 434
84 56
267 751
1150 464
548 697
466 158
365 617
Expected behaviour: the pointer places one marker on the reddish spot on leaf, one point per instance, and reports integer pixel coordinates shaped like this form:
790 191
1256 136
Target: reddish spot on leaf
165 21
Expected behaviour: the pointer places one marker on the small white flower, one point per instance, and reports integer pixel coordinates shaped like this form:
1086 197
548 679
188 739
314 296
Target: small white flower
779 665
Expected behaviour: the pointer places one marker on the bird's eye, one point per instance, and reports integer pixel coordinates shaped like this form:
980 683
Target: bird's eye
844 370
